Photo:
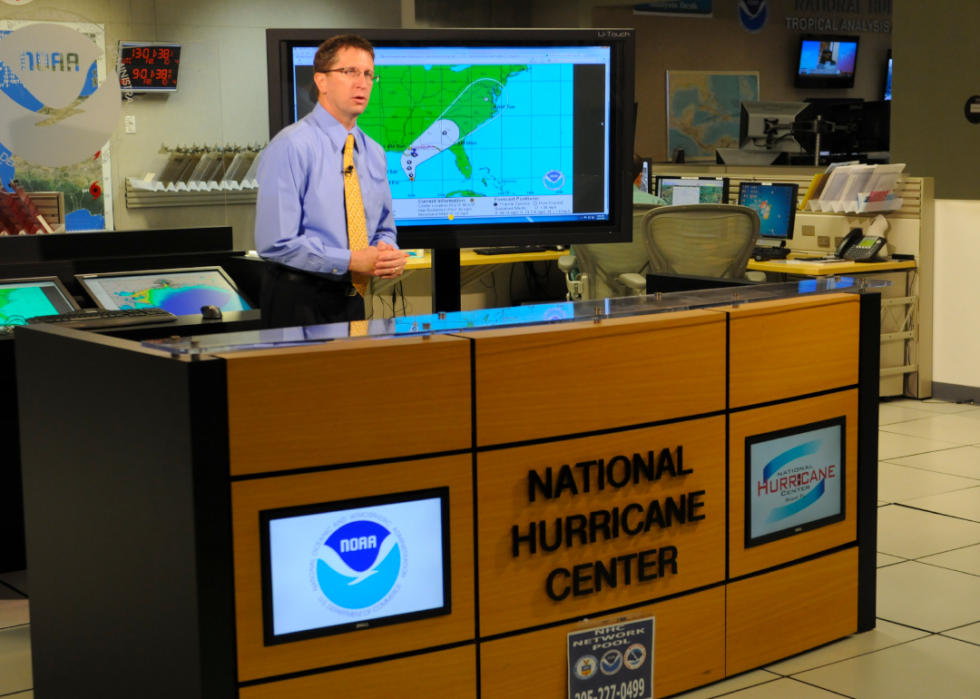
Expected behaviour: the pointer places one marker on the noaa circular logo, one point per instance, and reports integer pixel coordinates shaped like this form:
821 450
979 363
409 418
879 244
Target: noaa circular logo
634 656
554 180
358 565
753 14
585 667
58 114
555 313
611 662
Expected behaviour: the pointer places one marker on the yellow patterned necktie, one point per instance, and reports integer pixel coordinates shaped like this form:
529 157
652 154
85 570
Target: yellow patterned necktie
356 225
358 328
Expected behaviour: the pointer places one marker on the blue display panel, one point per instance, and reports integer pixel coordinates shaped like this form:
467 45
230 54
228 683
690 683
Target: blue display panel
354 564
775 204
828 58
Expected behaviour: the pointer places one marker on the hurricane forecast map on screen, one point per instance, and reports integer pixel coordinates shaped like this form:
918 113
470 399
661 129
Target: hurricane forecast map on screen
680 192
828 58
18 303
181 293
485 135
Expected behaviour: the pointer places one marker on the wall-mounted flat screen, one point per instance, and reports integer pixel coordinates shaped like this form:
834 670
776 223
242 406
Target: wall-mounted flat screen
21 299
677 191
491 136
181 291
826 61
775 204
355 564
794 480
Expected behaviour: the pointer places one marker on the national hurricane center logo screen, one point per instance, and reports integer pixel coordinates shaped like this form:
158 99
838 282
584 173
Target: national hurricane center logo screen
354 565
794 480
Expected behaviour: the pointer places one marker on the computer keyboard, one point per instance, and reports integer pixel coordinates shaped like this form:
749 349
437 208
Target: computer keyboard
510 250
761 254
96 318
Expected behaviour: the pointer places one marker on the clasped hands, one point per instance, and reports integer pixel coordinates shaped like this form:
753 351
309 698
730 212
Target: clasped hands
384 261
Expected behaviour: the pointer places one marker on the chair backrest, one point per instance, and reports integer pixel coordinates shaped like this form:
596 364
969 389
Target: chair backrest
708 240
604 262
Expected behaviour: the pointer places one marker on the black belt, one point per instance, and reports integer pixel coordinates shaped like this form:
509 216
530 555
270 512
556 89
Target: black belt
342 287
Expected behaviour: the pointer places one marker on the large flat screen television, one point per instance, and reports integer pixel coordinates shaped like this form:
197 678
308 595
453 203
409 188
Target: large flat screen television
355 564
826 61
493 137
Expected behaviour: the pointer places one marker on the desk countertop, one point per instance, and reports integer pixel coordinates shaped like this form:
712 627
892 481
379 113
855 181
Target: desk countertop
816 269
468 258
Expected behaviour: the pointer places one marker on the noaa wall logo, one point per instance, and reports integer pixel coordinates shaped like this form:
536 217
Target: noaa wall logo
753 14
52 122
611 662
359 563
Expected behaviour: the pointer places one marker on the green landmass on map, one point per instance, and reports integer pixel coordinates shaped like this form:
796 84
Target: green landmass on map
408 99
4 302
465 193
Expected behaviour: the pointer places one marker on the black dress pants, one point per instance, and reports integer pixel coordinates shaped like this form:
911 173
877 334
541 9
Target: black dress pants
291 298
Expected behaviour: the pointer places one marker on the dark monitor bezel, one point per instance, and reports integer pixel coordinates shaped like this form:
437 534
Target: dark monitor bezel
82 280
725 187
794 530
619 227
792 209
826 82
265 516
57 282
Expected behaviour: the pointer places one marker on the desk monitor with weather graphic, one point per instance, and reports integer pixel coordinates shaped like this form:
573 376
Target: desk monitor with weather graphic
776 206
179 291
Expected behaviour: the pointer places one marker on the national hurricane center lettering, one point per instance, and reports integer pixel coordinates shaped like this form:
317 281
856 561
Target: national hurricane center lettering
643 520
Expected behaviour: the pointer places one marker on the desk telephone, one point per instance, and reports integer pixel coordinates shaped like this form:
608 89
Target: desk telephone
859 247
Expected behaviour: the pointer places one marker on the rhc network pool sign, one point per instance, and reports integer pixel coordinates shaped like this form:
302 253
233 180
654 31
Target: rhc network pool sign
57 126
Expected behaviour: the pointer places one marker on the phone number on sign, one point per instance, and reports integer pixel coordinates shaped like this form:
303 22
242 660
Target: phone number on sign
627 690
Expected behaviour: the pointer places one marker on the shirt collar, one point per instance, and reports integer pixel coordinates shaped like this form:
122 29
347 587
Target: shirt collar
334 130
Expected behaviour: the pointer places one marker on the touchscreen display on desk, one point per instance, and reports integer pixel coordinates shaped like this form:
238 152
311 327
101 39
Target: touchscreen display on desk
355 564
28 298
180 291
794 480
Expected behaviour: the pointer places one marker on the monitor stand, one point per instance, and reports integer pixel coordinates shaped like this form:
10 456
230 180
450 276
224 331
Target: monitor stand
748 158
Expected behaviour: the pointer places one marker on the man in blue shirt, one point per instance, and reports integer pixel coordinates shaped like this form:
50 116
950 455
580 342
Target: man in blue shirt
326 226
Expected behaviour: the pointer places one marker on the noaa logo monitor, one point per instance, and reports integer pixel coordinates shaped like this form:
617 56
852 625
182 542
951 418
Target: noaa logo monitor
795 480
356 564
359 564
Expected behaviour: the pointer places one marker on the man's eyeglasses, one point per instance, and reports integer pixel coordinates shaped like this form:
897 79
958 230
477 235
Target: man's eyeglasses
355 73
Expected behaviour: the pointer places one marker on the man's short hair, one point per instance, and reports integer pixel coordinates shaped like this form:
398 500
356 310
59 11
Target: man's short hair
637 166
327 53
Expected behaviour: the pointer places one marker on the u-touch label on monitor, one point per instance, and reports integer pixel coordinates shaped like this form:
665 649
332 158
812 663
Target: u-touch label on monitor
356 564
794 480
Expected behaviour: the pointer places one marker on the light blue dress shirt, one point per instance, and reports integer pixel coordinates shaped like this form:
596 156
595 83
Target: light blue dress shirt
641 197
301 219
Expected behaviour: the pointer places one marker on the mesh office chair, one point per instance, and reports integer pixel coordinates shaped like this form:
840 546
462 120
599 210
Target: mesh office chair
707 240
597 271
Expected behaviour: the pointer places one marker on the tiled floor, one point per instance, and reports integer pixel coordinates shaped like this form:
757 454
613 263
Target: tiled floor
927 643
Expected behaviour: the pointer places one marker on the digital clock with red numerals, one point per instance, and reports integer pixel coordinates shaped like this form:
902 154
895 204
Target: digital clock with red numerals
148 67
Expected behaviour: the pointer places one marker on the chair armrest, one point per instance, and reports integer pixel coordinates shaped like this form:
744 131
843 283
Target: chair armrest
634 281
566 263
